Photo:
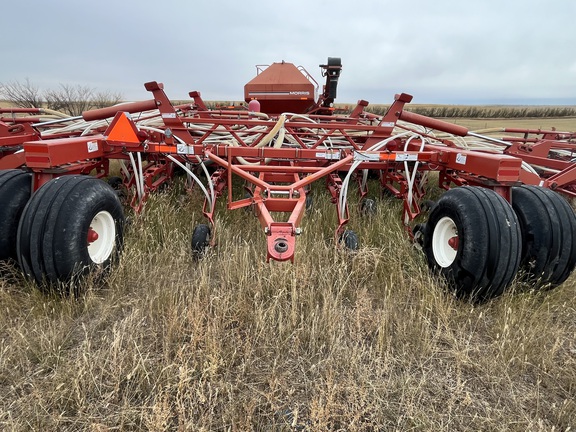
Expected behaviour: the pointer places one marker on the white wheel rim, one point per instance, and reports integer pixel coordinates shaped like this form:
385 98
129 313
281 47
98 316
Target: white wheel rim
101 248
444 252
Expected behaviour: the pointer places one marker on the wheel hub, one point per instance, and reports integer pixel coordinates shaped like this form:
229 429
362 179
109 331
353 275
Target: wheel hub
445 242
92 235
101 237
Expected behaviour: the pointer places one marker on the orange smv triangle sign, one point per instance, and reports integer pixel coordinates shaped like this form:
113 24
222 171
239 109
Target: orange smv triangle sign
123 130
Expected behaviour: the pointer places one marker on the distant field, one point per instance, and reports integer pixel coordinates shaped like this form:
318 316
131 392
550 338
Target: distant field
565 124
484 111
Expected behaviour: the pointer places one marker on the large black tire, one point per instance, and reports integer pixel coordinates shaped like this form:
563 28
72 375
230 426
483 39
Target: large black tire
200 240
472 238
548 227
56 235
15 191
309 203
350 240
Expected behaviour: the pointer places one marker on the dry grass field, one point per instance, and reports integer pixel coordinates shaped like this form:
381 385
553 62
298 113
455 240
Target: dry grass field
565 124
369 341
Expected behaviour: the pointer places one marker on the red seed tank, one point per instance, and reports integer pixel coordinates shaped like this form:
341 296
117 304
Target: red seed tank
281 87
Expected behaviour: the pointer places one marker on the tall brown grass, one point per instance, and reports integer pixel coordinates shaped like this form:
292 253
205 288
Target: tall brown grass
357 342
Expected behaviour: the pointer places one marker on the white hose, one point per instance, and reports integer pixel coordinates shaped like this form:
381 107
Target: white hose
411 178
139 191
300 116
93 125
279 124
124 169
344 189
210 197
493 146
139 155
527 167
277 144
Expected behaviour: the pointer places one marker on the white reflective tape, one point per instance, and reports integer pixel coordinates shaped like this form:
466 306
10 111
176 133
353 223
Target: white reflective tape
184 149
402 157
92 146
366 157
328 155
169 115
461 159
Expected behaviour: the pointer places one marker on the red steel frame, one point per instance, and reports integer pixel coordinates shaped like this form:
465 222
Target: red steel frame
279 178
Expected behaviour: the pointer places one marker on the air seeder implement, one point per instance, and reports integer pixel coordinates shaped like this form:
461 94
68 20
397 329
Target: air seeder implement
502 212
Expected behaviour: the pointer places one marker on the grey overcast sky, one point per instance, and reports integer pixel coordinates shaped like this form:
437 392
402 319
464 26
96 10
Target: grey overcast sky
440 51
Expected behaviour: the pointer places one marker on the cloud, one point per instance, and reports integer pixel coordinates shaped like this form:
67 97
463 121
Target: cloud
442 51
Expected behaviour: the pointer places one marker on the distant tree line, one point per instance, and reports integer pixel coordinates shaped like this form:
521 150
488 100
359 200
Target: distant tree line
67 98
